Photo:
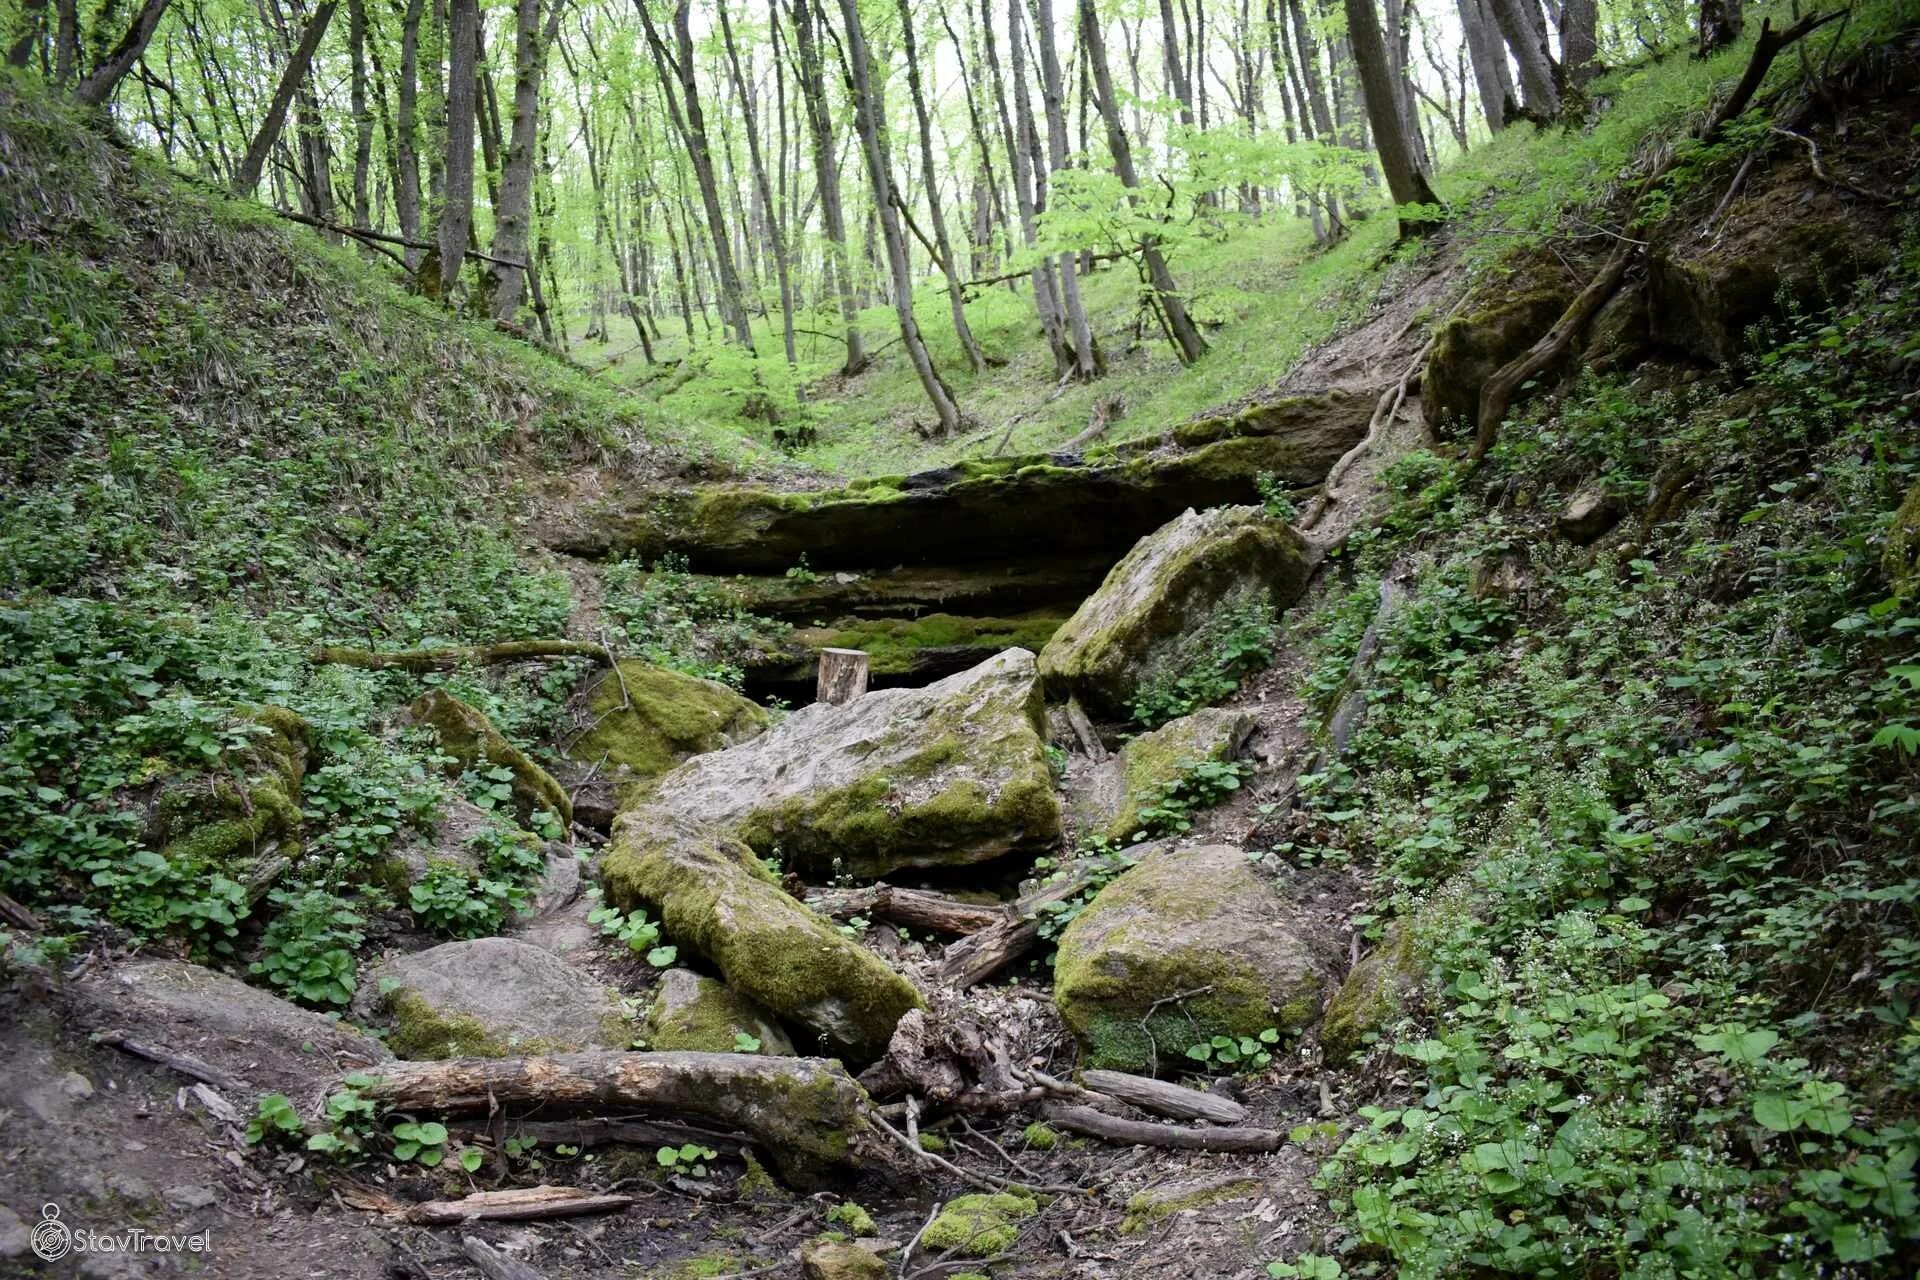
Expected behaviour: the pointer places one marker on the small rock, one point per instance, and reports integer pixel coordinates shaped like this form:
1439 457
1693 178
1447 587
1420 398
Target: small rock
1590 514
824 1259
489 997
186 1198
694 1012
15 1239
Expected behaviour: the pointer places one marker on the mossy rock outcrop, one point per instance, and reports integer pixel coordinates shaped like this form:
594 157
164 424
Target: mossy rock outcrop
1186 920
1373 997
231 820
1775 255
470 738
491 998
952 773
693 1011
968 590
1330 421
1008 507
1148 619
980 1225
643 720
1901 559
716 897
1140 773
909 650
1468 349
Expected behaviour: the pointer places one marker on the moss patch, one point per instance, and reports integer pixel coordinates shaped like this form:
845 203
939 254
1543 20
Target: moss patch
1374 994
1157 1204
424 1033
647 719
979 1226
1468 349
470 738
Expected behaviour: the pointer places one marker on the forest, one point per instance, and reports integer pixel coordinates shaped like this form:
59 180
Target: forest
959 641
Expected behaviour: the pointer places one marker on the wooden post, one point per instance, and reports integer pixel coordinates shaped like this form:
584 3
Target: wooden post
843 675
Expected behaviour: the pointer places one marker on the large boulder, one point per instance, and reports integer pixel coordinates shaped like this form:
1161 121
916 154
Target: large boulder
952 773
1109 802
1149 619
491 998
1780 250
693 1011
1468 349
715 897
1187 945
642 720
474 744
271 1044
1008 506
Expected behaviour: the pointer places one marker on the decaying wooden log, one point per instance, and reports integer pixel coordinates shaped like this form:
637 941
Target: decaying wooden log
18 916
947 1061
514 1204
494 1264
1144 1133
974 959
806 1114
842 677
1164 1098
185 1063
916 908
456 656
1083 731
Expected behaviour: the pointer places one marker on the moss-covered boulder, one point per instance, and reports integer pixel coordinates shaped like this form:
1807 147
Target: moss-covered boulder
1330 421
907 650
1900 561
1148 620
642 720
715 897
1187 920
952 773
693 1011
1140 773
825 1258
1468 349
1775 255
1008 507
470 738
1374 995
979 1226
238 819
490 998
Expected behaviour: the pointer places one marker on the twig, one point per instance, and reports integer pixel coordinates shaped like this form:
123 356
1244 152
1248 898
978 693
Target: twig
985 1181
1820 170
906 1254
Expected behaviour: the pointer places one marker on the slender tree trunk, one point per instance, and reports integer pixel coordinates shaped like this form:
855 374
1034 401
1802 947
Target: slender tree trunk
511 220
1405 180
1178 83
362 114
1087 364
992 211
30 35
942 247
251 165
870 121
1579 41
406 191
1027 184
98 84
1488 56
1530 55
1720 23
1186 335
811 77
777 240
456 211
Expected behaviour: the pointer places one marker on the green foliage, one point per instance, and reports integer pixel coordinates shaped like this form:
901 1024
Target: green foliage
1102 862
1665 874
1276 499
676 620
308 949
463 903
1236 1053
689 1158
423 1142
633 930
273 1118
1234 642
1201 785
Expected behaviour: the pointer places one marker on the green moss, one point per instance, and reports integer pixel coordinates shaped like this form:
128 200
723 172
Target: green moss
647 719
215 821
422 1032
712 1022
1153 1206
1039 1137
470 738
1901 559
756 1183
1468 349
979 1226
913 647
932 1142
1373 995
1154 761
828 1257
850 1215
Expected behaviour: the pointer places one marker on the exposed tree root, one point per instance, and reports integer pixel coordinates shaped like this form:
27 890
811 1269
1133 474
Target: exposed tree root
457 656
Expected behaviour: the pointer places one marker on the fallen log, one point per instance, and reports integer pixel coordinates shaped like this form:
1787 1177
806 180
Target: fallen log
916 908
185 1063
493 1264
628 1133
453 657
806 1114
513 1204
974 959
1145 1133
1164 1098
18 916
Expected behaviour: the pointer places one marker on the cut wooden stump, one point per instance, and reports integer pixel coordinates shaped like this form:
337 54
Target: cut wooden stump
1163 1098
843 676
806 1114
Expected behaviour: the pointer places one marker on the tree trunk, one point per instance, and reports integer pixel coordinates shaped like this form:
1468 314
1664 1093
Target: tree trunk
942 248
248 176
1579 41
406 191
99 83
1488 56
362 114
811 77
1178 83
775 235
1087 364
1720 23
1186 335
1018 133
512 221
1527 42
870 122
456 210
1405 180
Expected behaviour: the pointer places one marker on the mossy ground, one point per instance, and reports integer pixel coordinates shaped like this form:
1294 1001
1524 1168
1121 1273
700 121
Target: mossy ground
979 1226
